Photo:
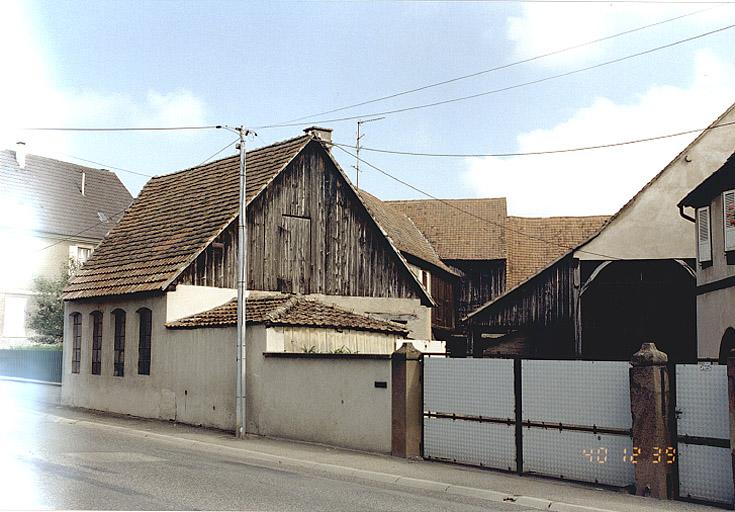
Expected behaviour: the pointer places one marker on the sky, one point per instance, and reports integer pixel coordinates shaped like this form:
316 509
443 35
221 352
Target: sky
185 63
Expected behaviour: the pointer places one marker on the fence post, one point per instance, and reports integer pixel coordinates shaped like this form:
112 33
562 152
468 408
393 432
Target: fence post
649 403
407 413
731 406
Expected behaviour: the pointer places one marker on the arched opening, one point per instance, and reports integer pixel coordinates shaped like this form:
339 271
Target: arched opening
727 344
633 302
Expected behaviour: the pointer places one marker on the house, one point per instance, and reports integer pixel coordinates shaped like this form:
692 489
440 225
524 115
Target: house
184 370
51 211
713 201
489 250
173 255
632 281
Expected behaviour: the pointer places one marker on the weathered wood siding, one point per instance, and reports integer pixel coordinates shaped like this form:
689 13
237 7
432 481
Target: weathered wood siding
442 291
547 300
479 282
308 233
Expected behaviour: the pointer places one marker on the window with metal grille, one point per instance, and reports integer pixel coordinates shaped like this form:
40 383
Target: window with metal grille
119 366
96 342
76 341
144 341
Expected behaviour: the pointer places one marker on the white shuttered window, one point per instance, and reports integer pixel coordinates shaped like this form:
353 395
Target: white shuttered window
704 238
728 218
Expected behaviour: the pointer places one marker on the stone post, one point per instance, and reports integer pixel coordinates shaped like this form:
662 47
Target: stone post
649 403
731 405
407 413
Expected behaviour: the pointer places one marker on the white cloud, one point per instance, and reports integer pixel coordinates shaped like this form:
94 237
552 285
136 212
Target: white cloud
544 27
601 181
29 96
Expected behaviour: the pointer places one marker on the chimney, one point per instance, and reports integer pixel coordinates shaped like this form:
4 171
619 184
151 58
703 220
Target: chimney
84 182
323 134
20 154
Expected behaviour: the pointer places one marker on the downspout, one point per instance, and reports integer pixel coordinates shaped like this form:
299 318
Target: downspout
684 215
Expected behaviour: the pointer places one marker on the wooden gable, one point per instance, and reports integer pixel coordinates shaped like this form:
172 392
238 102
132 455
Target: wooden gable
309 233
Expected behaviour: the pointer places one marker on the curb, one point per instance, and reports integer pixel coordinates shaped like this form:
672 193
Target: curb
344 471
30 381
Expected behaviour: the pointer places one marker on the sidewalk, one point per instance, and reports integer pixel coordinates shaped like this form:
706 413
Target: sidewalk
527 491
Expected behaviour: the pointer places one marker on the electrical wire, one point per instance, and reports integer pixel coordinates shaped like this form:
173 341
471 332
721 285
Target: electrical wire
73 236
467 212
122 129
501 67
508 88
106 166
536 153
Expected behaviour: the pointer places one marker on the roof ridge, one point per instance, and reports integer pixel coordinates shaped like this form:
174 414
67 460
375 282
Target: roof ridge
439 200
219 160
284 308
558 217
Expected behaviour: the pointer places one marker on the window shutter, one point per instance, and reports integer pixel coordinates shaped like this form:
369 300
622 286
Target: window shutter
704 240
728 218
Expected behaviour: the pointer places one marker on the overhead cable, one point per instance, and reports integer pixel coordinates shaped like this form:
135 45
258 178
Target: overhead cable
507 88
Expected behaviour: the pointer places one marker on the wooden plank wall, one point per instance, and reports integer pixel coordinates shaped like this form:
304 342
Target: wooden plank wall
479 282
546 300
308 234
305 339
442 291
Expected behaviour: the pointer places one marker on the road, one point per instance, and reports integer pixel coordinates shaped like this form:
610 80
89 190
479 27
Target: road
49 462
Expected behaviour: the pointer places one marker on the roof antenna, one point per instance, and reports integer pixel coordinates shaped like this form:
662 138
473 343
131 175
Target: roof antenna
360 122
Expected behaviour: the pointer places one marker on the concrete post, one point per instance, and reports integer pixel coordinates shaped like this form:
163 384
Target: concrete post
407 413
731 405
649 403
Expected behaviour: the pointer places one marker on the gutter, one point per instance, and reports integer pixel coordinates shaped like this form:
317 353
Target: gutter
684 215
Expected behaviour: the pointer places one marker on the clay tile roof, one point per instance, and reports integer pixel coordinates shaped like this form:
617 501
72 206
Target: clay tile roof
402 231
48 194
528 249
172 220
453 233
288 310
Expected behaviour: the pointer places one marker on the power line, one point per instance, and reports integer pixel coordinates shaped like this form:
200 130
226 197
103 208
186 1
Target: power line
89 228
107 166
122 129
467 212
510 87
501 67
535 153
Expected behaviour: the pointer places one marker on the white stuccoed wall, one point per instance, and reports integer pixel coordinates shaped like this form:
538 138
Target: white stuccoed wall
188 300
324 400
192 378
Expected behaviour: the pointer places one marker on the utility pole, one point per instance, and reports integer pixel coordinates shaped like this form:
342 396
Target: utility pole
242 258
359 137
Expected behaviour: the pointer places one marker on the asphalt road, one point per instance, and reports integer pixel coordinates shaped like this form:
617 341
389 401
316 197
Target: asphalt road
46 463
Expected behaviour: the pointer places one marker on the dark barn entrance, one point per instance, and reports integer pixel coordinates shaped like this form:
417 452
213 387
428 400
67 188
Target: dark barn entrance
631 302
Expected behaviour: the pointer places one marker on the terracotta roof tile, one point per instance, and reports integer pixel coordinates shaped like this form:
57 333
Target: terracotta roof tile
402 231
453 233
288 310
528 251
51 190
172 220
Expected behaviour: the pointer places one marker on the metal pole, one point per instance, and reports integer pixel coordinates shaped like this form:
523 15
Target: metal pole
241 289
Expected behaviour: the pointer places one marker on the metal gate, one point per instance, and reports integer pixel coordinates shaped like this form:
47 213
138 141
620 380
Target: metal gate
703 433
568 419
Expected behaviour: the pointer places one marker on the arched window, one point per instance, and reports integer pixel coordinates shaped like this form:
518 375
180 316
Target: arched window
727 345
96 342
144 341
76 341
119 367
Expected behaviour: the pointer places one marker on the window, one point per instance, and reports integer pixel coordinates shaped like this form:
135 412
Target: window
728 218
119 366
80 253
76 341
704 237
96 343
144 341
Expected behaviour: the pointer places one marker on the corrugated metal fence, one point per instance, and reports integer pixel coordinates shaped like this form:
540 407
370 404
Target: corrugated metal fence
42 365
